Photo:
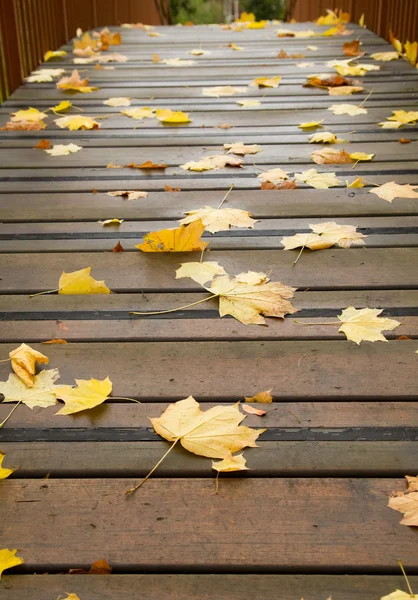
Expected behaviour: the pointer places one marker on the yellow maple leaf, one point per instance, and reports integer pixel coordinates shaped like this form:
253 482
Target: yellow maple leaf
329 156
86 41
223 90
261 397
323 137
270 82
214 433
75 122
361 156
356 70
390 124
219 219
139 113
310 124
32 115
118 101
111 222
178 62
70 597
250 295
208 163
4 473
273 176
365 324
347 109
8 559
256 25
319 181
81 282
345 90
324 236
87 394
198 165
183 239
389 191
404 117
165 115
201 272
63 105
75 84
248 103
23 361
399 595
357 183
241 149
411 52
385 56
63 149
395 42
230 464
41 393
50 54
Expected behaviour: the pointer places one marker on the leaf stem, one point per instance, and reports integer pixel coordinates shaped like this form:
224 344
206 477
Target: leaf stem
10 414
163 312
47 292
131 490
331 323
406 578
5 360
299 255
123 398
226 196
367 97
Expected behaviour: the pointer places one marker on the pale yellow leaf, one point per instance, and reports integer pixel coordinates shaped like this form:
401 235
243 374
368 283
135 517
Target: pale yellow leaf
389 191
139 113
251 410
215 433
345 90
347 109
201 272
178 62
305 240
323 137
186 238
118 101
343 236
81 282
23 361
312 48
221 161
404 116
310 124
399 595
230 464
88 394
44 75
63 149
74 83
130 195
221 91
411 52
8 559
385 56
41 393
390 124
365 324
75 122
270 82
199 52
329 156
320 181
4 473
248 103
235 47
356 70
274 175
241 149
203 164
219 219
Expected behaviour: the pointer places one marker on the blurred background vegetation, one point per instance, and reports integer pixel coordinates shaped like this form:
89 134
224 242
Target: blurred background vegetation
219 11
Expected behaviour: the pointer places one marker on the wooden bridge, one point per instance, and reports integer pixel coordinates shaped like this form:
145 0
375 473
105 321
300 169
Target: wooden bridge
310 518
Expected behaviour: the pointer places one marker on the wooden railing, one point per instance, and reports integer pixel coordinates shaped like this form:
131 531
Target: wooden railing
28 28
401 16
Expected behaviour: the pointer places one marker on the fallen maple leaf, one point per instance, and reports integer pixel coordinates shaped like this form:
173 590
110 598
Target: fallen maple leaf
404 141
241 149
399 595
411 52
74 83
81 282
107 222
273 176
261 397
225 90
357 183
87 394
23 126
395 42
253 411
198 52
203 164
385 56
361 156
219 219
86 41
61 106
168 188
4 473
345 90
323 137
44 75
32 115
406 502
118 248
186 238
8 559
139 113
231 463
329 156
75 122
404 117
43 145
325 235
55 341
63 150
310 124
352 48
270 82
100 567
23 360
225 126
319 181
209 163
146 165
41 393
165 115
119 101
178 62
347 109
324 81
356 70
365 324
391 190
130 195
201 272
156 58
283 54
248 103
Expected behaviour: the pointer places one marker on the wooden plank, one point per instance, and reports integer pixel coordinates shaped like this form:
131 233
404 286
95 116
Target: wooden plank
296 370
272 459
203 587
184 525
356 268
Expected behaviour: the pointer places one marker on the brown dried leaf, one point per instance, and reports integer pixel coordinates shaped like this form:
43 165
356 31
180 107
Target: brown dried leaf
352 48
146 165
118 248
23 126
288 185
112 165
168 188
329 156
334 81
267 185
43 145
404 141
55 341
261 397
100 567
225 126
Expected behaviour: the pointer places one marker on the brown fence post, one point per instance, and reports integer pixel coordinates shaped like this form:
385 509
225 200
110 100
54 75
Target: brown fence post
11 62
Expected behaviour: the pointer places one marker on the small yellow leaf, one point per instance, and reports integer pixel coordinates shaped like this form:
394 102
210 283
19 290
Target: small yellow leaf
88 394
261 397
183 239
357 183
198 165
63 105
23 360
395 42
219 219
81 282
118 101
345 90
54 54
75 122
70 597
404 117
347 109
411 52
235 47
365 324
356 70
256 25
4 473
8 559
320 181
390 124
230 464
361 156
198 52
324 137
63 149
200 272
32 115
270 82
274 175
385 56
165 115
223 91
111 222
241 149
41 393
248 103
389 191
310 124
312 48
139 113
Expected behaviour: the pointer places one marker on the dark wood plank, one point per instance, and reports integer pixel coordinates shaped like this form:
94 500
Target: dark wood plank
184 525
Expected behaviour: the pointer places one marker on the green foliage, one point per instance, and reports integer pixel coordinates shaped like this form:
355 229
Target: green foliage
264 9
197 11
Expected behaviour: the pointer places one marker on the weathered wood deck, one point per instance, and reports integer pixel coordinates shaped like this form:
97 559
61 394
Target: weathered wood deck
310 518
